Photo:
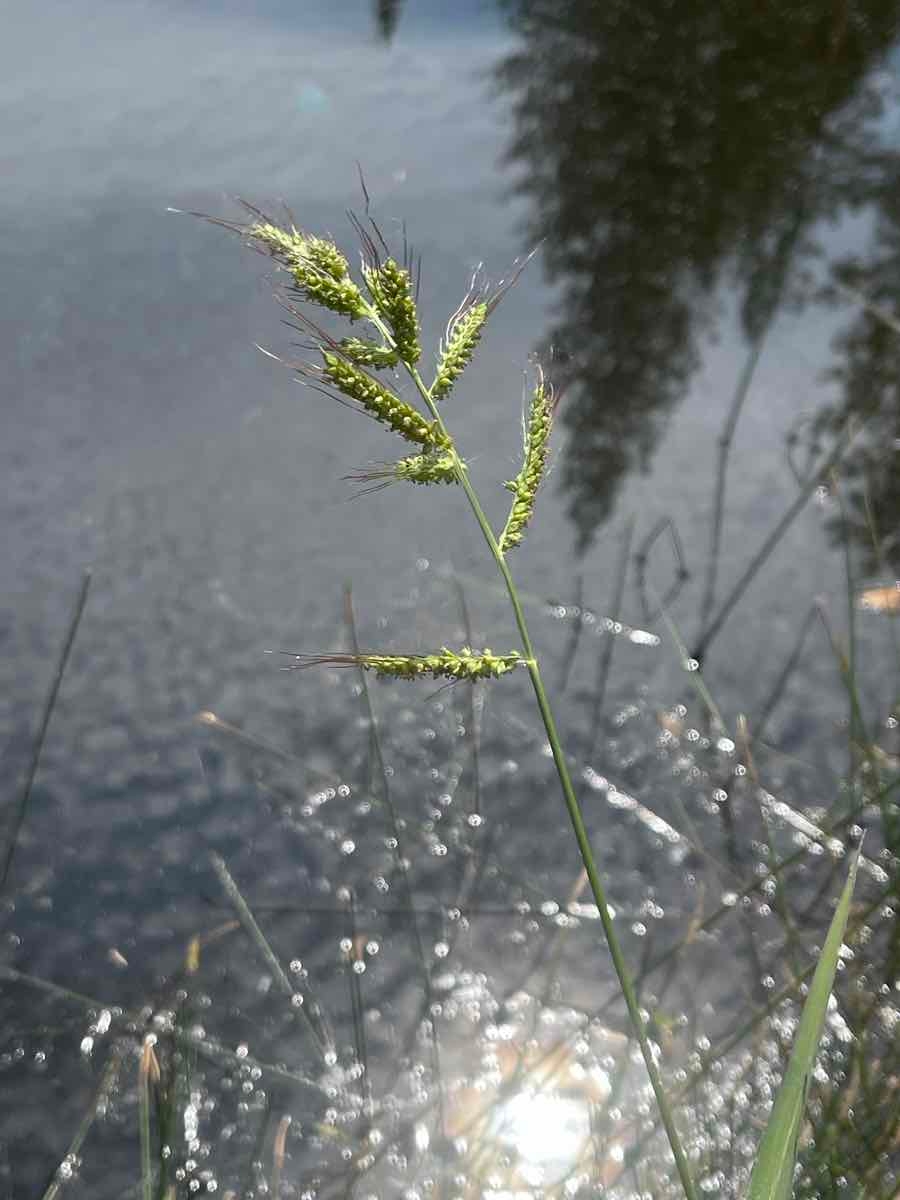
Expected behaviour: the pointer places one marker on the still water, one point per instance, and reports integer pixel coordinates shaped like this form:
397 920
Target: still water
714 193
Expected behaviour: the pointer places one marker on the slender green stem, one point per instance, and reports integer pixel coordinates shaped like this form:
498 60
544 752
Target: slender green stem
571 800
144 1103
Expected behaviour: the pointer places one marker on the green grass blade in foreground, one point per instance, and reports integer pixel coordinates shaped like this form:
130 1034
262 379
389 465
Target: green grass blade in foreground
145 1073
773 1172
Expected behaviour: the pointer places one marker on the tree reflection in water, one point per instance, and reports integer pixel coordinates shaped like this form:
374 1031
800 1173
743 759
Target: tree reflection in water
664 148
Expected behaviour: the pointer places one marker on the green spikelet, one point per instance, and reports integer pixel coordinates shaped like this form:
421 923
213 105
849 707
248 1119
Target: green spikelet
368 354
434 466
446 664
320 271
462 338
287 245
427 468
375 398
326 256
525 485
391 289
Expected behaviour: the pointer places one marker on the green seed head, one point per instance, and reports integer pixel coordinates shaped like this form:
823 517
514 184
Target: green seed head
463 334
427 468
326 256
321 273
431 467
368 354
525 485
378 400
287 245
446 664
390 286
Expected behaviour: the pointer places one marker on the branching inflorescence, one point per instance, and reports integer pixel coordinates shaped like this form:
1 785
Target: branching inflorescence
320 275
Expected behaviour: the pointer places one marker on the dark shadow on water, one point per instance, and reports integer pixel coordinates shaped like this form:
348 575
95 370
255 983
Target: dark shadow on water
867 368
387 15
669 148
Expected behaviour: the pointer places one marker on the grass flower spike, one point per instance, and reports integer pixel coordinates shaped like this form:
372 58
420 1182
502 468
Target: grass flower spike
380 401
417 468
446 664
463 333
525 485
465 327
320 272
366 353
390 287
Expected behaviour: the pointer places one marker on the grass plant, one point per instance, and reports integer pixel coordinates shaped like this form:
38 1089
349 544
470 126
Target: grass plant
318 274
826 1124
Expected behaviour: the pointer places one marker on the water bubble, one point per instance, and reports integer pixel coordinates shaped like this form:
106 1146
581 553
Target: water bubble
348 846
725 745
475 820
441 950
359 967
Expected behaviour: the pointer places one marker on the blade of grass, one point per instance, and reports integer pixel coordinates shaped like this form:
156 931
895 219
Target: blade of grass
760 721
40 737
107 1082
357 955
571 651
278 1151
147 1068
474 697
256 935
605 662
771 541
773 1171
726 439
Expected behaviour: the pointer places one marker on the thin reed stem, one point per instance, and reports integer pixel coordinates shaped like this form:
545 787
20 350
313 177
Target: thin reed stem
40 737
714 628
571 801
256 935
726 440
606 657
144 1076
105 1088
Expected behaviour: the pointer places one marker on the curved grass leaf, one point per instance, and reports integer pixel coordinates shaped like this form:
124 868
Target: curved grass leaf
773 1171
